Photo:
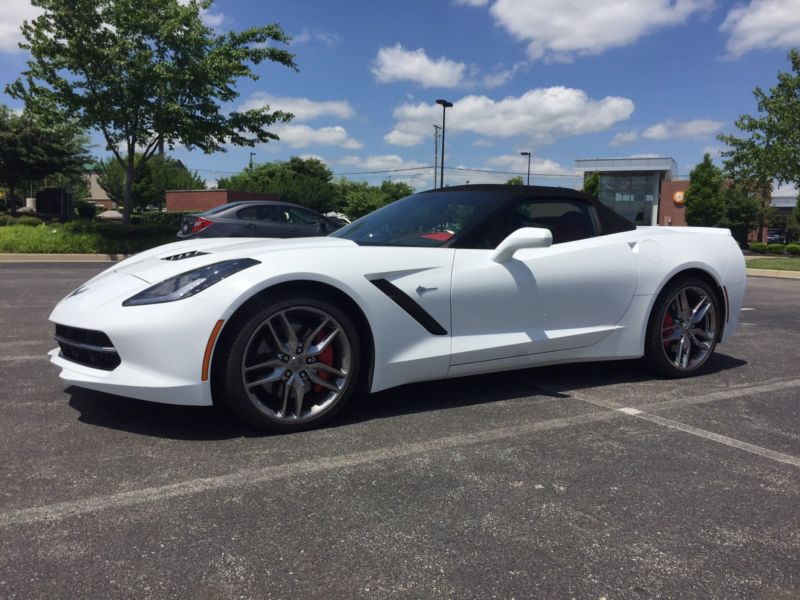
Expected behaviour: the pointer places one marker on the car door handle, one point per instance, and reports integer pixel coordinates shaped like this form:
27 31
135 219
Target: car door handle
422 290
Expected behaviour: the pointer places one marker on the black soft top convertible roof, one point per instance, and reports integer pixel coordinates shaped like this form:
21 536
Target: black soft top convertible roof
610 221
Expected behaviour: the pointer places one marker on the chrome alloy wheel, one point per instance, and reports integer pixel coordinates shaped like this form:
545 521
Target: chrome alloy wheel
296 364
689 328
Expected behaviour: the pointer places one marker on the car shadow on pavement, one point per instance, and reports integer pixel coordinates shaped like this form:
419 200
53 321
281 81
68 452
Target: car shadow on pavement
215 423
558 381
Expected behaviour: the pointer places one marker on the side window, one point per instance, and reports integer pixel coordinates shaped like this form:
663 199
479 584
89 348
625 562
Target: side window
248 213
302 217
267 213
567 220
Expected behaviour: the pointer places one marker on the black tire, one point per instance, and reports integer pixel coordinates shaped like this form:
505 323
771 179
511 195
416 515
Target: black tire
665 356
261 405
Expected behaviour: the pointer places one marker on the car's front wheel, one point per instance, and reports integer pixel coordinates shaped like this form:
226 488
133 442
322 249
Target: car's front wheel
292 365
683 328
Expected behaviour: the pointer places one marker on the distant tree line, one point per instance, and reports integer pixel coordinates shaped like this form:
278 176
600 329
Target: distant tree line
34 152
309 182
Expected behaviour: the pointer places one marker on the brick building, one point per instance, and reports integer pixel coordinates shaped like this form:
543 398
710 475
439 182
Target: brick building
200 200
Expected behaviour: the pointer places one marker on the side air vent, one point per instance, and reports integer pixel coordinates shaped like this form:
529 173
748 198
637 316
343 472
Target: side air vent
404 301
183 255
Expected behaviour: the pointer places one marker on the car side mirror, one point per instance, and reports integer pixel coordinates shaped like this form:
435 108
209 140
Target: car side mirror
525 237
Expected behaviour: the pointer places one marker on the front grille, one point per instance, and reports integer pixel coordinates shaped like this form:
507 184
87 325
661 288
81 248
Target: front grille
87 347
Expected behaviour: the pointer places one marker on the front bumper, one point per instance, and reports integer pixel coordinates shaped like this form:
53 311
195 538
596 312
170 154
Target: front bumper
160 346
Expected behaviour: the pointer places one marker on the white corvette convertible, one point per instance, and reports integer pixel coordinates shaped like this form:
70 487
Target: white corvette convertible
443 283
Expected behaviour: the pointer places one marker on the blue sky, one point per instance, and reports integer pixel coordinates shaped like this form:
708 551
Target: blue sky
563 79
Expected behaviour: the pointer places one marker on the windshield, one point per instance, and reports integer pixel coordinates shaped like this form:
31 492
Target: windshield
426 219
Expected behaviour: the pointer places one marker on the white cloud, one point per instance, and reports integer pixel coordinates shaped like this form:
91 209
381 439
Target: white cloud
302 136
303 109
762 24
558 30
481 143
696 129
11 18
210 19
519 164
541 115
624 137
384 162
398 64
471 2
325 38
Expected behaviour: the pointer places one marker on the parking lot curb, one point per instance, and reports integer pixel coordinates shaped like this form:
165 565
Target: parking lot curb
773 273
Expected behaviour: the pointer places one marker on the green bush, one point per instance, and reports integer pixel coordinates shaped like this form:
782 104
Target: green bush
85 210
776 249
82 237
6 220
759 247
793 249
29 221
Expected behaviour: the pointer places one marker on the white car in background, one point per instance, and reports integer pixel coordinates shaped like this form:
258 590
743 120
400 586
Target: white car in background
444 283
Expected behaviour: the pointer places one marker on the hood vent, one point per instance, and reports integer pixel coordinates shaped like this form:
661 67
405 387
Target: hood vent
184 255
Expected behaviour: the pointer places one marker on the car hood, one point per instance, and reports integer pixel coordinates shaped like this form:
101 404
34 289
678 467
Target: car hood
166 261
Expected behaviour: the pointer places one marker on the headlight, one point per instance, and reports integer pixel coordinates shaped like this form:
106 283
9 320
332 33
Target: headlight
189 283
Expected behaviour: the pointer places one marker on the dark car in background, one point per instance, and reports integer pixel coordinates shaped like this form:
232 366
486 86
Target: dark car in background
259 218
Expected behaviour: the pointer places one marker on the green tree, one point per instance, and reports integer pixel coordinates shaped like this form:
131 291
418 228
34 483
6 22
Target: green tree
147 74
705 205
361 198
742 212
304 181
591 184
518 180
31 151
394 190
770 148
153 179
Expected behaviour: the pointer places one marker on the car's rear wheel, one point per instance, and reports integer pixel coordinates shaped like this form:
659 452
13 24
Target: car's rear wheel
292 365
683 329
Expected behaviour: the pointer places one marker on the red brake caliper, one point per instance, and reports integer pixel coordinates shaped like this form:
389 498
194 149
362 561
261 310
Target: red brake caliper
325 357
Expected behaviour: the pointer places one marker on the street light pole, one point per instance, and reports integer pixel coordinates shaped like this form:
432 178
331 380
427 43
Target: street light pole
528 154
436 129
445 105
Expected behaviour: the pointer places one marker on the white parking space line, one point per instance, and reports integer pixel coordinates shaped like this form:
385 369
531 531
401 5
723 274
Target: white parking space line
744 309
722 439
729 394
63 510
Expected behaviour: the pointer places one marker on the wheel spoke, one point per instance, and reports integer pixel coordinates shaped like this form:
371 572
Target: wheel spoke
323 367
324 383
287 388
271 378
318 348
274 363
299 388
310 337
291 335
700 311
683 304
282 346
674 335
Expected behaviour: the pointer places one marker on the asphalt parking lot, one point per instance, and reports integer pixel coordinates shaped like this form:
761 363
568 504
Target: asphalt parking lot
531 484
